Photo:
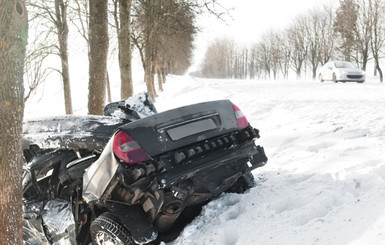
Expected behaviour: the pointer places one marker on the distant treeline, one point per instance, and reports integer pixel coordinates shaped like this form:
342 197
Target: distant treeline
354 31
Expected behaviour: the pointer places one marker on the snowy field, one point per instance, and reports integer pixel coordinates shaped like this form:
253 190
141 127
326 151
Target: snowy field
325 179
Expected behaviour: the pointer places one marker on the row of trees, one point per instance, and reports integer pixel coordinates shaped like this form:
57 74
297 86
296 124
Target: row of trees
355 31
161 30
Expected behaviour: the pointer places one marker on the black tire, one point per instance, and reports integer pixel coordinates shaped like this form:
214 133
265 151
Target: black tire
106 229
243 183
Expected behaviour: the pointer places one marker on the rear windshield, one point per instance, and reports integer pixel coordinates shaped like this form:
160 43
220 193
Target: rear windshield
345 65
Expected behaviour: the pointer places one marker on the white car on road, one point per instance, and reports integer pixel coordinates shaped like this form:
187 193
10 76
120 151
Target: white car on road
341 71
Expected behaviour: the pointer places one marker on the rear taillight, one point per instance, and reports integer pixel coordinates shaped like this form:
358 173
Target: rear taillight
241 118
128 150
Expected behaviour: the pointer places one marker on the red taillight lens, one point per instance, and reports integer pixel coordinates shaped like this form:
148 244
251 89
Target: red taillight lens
128 150
241 118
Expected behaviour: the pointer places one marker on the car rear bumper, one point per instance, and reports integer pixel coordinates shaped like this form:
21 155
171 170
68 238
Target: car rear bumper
253 155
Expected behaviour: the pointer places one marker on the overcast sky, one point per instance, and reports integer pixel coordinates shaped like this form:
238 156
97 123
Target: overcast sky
250 18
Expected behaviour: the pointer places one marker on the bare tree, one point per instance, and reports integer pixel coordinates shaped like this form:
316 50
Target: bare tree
275 52
174 45
326 34
62 30
145 11
313 29
363 31
81 17
297 38
98 38
253 63
239 59
345 25
265 60
377 20
35 70
122 16
56 11
13 40
310 38
221 59
81 20
285 50
245 60
177 40
157 19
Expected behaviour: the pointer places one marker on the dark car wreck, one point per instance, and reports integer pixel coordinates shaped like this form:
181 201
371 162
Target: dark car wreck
127 177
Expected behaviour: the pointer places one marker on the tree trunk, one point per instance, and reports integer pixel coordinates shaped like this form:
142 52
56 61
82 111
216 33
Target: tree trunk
108 87
314 71
148 74
149 83
62 28
381 75
379 70
365 59
164 75
13 39
98 36
153 75
149 48
124 41
298 72
160 82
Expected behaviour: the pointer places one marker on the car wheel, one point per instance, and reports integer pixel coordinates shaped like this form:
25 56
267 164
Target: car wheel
334 78
106 229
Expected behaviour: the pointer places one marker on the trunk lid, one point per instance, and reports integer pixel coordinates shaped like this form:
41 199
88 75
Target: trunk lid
183 126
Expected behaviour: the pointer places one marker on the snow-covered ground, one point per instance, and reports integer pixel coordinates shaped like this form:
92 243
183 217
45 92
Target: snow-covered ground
325 179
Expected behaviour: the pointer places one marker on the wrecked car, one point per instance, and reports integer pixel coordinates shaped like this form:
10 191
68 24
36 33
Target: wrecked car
128 176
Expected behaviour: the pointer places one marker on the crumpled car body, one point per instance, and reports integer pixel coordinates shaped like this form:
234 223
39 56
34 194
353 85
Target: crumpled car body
128 180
